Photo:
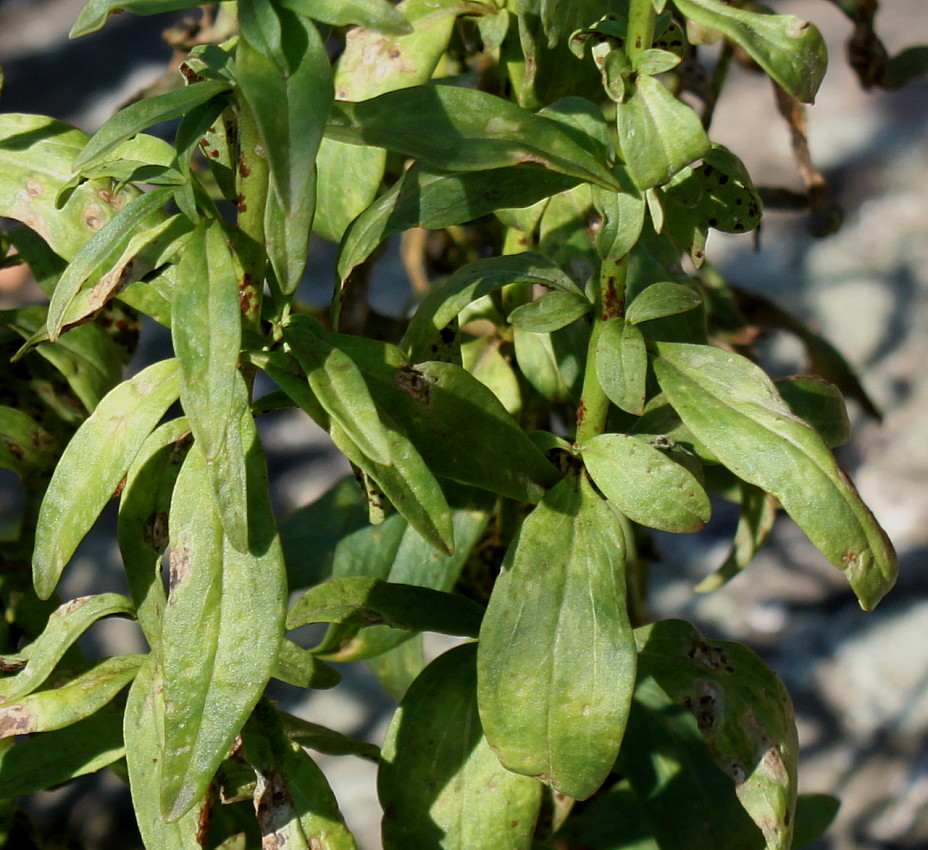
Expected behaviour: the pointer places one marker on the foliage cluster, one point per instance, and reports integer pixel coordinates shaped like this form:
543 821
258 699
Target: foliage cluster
570 372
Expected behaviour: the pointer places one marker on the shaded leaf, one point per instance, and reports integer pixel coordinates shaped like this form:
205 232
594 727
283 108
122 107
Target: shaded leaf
323 740
299 667
94 13
439 782
814 814
819 403
622 364
25 446
662 299
551 312
733 407
554 697
374 14
94 463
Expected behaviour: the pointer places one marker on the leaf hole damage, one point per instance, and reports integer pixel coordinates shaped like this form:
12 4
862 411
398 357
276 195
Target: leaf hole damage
711 657
414 383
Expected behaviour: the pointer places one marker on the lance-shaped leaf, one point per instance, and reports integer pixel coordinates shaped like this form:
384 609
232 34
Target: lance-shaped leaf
377 15
471 282
299 667
435 199
64 626
790 50
732 407
820 403
94 14
206 331
106 243
556 660
658 134
757 514
69 699
661 299
145 113
222 626
439 782
94 463
460 129
370 601
325 740
288 89
53 758
743 712
25 446
143 520
685 797
36 158
293 801
646 484
144 730
550 363
622 364
339 386
551 312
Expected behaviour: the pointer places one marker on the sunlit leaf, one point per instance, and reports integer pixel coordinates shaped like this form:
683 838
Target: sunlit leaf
662 299
554 695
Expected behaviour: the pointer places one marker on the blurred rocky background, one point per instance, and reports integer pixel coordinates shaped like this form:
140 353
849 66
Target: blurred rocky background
859 681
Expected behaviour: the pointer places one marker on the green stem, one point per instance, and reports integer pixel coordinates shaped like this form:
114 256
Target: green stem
594 405
641 18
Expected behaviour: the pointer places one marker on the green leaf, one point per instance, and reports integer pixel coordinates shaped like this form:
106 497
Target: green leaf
143 520
460 129
339 386
143 114
790 50
206 332
732 407
622 218
289 92
25 446
615 820
686 799
64 626
71 698
743 712
102 253
324 740
622 364
483 357
94 463
658 134
554 696
439 782
756 517
551 312
53 758
377 15
36 159
645 484
819 403
367 601
814 814
94 14
299 667
294 804
397 668
435 199
470 283
144 729
662 299
551 363
222 626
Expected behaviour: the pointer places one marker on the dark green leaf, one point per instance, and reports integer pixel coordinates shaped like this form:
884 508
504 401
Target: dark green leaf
742 710
820 404
440 783
299 667
790 50
294 804
552 363
376 15
369 601
397 668
646 484
460 129
143 114
556 664
733 407
658 134
906 66
25 446
323 740
94 463
615 820
622 364
94 14
52 758
686 799
814 813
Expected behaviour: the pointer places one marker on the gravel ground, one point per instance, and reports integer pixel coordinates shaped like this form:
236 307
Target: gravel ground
860 681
